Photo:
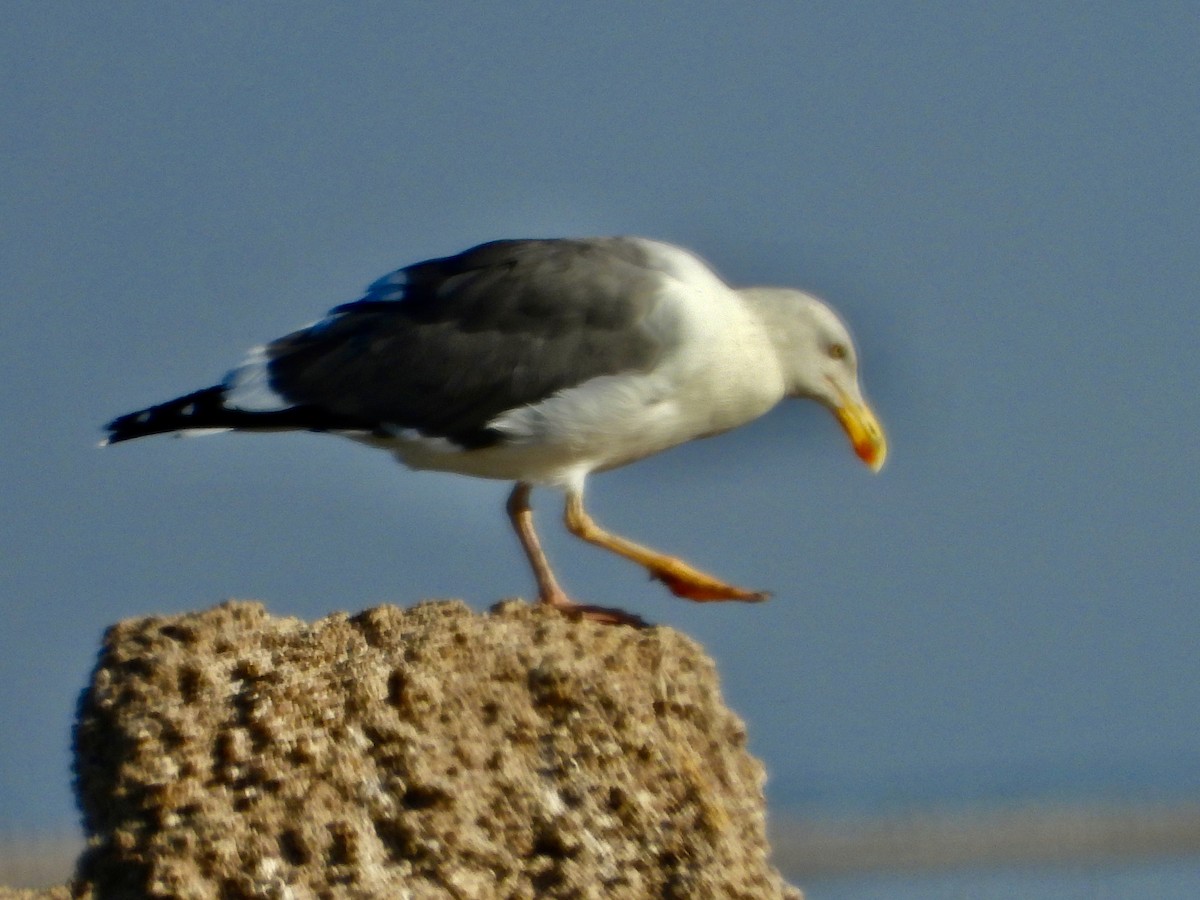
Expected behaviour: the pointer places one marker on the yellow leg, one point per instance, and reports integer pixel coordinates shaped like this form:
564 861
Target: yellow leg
678 576
549 591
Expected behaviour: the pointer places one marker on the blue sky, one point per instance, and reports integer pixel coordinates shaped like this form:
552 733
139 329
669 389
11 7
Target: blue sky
1001 200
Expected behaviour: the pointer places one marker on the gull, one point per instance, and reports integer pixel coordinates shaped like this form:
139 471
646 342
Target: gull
540 362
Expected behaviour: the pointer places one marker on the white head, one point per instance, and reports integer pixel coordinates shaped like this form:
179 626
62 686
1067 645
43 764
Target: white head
819 362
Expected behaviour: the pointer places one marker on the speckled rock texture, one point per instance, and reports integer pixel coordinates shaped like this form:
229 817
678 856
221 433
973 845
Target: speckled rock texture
422 753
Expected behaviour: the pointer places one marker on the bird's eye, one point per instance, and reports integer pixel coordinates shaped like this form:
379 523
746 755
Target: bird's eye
837 351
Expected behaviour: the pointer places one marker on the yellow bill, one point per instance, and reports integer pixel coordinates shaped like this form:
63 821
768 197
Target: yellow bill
864 431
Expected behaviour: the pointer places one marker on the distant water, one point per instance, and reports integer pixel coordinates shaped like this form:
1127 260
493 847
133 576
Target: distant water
1175 879
1170 871
1136 782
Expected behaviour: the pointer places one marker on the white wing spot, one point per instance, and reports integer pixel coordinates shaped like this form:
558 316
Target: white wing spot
248 387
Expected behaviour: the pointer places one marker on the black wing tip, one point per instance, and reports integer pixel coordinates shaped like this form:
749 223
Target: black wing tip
200 409
206 410
126 428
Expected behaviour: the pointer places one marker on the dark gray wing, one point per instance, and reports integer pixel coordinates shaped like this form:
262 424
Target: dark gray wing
445 346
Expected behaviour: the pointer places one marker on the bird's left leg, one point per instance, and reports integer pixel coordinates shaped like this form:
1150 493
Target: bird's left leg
682 580
549 591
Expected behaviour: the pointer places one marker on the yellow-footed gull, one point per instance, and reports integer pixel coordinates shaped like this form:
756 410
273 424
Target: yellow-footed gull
540 362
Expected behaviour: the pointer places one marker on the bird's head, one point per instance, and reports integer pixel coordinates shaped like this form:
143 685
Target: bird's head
819 362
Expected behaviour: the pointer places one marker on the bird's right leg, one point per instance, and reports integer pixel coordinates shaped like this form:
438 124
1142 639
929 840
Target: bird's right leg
680 578
520 513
